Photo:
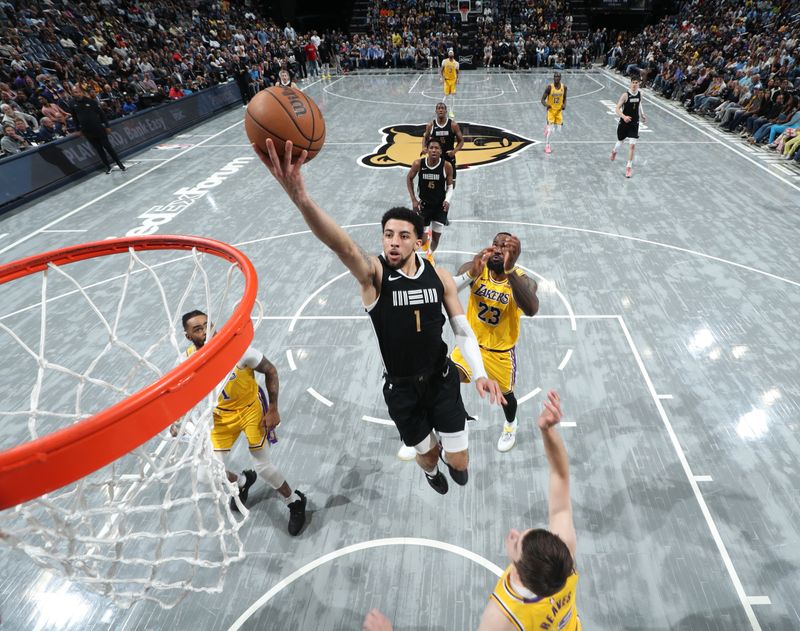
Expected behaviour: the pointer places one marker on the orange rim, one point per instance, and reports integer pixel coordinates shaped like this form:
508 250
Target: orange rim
69 454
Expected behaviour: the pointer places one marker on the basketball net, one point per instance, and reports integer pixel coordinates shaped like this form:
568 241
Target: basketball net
156 523
464 11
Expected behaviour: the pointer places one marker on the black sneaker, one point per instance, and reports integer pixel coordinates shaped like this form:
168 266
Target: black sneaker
459 477
438 482
108 170
122 167
297 514
250 478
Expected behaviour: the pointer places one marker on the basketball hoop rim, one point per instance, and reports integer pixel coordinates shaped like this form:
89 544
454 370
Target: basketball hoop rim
66 455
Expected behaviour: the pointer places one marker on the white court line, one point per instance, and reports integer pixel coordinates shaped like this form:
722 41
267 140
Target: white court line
759 600
311 297
290 359
568 424
712 526
513 85
319 397
127 182
530 395
357 547
5 234
378 421
636 239
57 230
413 85
665 397
566 359
703 478
652 101
137 160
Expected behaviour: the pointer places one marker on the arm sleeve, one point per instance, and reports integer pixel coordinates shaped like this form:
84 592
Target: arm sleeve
252 358
468 343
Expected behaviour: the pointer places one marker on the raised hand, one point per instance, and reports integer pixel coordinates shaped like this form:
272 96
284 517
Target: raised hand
284 170
486 386
479 261
551 414
511 250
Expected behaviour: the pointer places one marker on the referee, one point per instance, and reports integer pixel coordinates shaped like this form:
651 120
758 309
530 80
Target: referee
91 123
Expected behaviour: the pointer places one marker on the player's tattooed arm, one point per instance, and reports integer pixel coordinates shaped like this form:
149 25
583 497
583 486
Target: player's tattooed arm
564 100
459 138
545 95
524 290
267 368
426 137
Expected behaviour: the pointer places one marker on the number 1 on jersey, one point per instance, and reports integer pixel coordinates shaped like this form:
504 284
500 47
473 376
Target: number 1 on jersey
419 323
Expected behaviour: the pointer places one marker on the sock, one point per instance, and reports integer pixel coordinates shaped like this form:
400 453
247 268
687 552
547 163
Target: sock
512 425
617 145
242 480
291 499
630 164
432 472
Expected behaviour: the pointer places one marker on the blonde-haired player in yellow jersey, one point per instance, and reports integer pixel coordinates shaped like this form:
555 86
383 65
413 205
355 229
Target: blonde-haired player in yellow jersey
242 407
449 73
538 590
500 293
555 100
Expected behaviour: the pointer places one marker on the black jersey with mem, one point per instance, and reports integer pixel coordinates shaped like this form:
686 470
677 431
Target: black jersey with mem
444 134
432 183
631 106
408 321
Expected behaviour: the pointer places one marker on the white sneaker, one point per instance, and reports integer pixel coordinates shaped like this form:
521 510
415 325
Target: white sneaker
508 438
406 453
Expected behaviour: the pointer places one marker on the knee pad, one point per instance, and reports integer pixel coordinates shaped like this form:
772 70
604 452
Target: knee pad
264 467
437 227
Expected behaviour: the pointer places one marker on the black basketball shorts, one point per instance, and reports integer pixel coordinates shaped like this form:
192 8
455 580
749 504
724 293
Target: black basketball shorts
627 130
433 213
418 406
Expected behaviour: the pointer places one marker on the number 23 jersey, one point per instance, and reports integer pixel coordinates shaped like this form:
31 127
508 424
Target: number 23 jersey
493 313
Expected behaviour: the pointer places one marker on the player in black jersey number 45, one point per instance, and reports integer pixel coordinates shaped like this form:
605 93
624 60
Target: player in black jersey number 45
404 297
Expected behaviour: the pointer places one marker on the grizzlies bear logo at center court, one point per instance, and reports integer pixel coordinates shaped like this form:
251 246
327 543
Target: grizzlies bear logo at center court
483 145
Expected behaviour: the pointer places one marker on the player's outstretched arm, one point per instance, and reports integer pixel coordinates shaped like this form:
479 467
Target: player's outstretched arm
466 340
545 95
365 268
559 502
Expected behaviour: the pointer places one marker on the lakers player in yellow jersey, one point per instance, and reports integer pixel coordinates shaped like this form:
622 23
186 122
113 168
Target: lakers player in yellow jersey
538 590
500 293
242 407
449 73
555 100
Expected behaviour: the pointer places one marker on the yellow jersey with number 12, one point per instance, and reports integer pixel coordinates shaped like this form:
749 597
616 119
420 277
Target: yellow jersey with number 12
558 612
493 313
241 388
556 98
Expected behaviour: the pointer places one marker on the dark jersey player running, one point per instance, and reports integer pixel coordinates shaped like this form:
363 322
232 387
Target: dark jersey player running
629 110
404 297
435 188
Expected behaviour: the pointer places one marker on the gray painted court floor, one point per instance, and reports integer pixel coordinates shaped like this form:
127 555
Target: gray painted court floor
668 324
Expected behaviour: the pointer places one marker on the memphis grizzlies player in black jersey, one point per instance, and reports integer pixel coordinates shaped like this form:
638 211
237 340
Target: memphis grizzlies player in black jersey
448 132
629 110
435 187
404 296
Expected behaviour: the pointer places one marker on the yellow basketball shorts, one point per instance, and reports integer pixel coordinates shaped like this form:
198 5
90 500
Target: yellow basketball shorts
228 424
449 87
500 366
554 117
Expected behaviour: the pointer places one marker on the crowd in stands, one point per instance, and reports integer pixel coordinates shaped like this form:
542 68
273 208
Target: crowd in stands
131 55
733 62
510 34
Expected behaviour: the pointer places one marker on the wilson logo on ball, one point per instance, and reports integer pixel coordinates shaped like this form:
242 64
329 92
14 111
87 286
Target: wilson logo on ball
297 105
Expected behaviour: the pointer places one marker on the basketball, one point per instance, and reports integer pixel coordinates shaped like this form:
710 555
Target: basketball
284 113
